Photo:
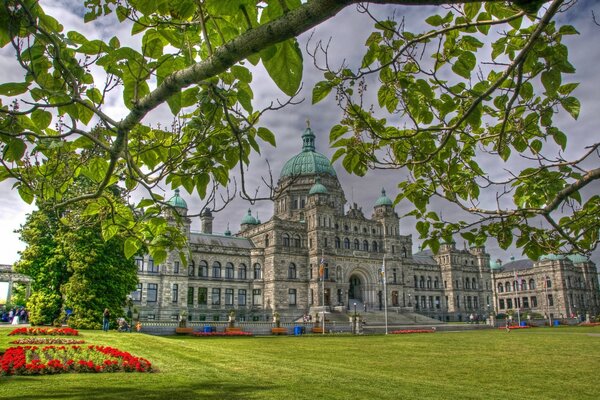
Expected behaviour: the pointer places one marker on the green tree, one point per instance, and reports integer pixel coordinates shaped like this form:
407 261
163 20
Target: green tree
447 101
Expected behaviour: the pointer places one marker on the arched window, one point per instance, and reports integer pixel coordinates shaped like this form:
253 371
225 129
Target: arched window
531 284
515 286
356 244
338 242
474 283
375 247
203 269
292 271
523 284
500 287
192 268
257 271
346 243
467 283
365 245
548 283
216 270
404 252
428 282
297 241
242 271
507 286
286 240
415 277
229 271
436 283
422 282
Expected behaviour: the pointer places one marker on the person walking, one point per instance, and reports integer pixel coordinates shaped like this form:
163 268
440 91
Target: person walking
105 320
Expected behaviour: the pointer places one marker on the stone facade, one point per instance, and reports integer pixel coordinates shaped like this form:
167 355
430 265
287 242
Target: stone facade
314 252
553 287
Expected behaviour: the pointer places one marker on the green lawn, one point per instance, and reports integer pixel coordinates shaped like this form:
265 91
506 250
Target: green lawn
541 363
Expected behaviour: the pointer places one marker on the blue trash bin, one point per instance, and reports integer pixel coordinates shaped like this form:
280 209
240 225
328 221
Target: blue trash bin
523 323
297 330
556 322
207 329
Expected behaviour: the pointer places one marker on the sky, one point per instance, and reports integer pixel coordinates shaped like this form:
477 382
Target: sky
347 32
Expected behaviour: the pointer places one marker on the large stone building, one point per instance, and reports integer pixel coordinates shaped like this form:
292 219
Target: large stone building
553 287
277 265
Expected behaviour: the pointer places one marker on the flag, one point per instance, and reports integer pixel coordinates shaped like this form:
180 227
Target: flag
322 268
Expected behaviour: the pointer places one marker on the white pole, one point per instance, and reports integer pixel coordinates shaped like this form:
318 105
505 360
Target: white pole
518 299
323 282
385 297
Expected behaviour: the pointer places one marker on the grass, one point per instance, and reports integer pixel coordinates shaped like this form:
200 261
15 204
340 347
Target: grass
541 363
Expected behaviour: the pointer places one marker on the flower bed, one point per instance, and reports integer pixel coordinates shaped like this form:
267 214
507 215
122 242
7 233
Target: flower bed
589 324
33 360
45 331
511 327
47 340
232 333
407 331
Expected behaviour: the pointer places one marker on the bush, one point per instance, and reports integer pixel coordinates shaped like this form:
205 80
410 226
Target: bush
43 307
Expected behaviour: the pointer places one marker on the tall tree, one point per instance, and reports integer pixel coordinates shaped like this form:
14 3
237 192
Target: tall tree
442 112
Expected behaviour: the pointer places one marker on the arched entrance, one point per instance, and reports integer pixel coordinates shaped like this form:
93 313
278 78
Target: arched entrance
355 291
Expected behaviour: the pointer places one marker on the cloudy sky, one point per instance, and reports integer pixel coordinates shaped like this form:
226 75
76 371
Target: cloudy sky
347 32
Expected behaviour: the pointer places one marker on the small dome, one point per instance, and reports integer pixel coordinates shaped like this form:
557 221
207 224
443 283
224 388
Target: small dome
177 201
383 200
495 265
308 162
227 232
318 188
578 258
249 219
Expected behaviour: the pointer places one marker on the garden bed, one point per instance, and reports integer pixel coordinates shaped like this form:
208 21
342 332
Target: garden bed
45 331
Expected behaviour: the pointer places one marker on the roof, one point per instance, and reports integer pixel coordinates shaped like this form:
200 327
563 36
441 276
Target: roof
517 265
425 257
318 188
249 219
307 162
220 240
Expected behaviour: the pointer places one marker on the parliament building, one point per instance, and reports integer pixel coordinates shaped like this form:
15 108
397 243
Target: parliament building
315 253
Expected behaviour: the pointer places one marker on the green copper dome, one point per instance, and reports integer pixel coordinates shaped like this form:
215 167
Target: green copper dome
318 188
552 257
308 162
177 201
577 258
249 219
495 264
383 200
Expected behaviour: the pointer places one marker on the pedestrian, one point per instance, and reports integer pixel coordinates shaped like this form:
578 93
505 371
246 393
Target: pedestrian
105 320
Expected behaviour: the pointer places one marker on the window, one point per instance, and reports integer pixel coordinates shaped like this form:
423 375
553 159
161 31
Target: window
139 261
325 242
176 267
216 296
523 284
476 302
242 271
501 301
531 284
346 243
474 283
338 243
216 270
437 302
192 269
374 246
509 303
292 271
436 283
422 282
228 297
428 282
203 269
292 297
533 301
356 244
242 297
152 293
507 286
256 297
190 299
151 267
548 283
202 296
257 271
394 276
467 283
458 301
416 302
365 245
297 241
515 286
175 293
550 300
395 298
286 240
404 252
500 287
229 271
416 280
525 302
137 294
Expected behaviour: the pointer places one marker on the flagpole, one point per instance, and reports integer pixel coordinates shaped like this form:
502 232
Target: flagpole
385 296
323 289
518 299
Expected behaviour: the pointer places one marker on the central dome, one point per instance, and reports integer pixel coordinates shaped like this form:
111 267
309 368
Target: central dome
308 162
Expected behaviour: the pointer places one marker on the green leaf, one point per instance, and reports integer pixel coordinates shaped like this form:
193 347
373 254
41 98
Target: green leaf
131 247
158 254
241 73
41 118
471 10
284 66
465 64
435 20
572 105
568 30
336 132
321 90
14 150
13 88
551 80
266 135
108 230
93 208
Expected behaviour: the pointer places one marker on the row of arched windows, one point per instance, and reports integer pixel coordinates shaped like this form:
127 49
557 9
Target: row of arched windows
291 240
523 285
423 282
356 244
228 272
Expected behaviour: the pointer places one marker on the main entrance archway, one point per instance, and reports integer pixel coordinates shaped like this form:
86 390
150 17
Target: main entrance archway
356 288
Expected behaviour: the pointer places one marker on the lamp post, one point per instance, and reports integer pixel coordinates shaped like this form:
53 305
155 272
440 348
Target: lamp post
354 325
409 303
129 313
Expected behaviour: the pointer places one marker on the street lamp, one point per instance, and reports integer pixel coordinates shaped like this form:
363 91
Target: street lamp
354 325
409 303
129 313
